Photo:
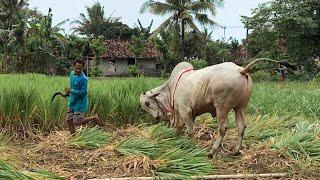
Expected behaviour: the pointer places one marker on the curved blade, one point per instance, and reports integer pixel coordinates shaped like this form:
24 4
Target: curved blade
55 94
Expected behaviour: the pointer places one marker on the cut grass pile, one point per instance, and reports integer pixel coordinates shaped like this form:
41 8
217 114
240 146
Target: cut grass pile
90 138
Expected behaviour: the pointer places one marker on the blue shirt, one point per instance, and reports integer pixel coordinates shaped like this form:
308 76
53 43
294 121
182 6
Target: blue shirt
78 100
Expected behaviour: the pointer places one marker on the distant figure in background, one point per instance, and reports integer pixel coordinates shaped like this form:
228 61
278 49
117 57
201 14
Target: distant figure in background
78 100
282 71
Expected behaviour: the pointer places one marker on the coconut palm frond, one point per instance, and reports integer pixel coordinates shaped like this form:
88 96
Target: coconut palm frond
57 27
191 25
203 7
203 19
218 3
165 25
158 8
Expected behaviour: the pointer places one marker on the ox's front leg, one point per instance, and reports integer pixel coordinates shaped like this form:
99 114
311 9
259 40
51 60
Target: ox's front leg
179 127
187 118
222 117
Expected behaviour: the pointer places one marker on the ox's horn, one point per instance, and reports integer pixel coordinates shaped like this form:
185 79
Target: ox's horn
155 95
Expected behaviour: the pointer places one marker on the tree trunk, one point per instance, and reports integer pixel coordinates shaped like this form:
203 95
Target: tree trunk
165 66
5 63
183 38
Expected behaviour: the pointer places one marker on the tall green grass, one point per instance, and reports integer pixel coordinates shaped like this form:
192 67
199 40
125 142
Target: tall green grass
298 98
267 126
25 99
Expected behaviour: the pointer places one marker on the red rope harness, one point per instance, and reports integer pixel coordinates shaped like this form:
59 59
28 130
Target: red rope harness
174 91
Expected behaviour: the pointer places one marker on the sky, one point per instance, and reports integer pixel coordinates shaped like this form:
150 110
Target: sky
128 10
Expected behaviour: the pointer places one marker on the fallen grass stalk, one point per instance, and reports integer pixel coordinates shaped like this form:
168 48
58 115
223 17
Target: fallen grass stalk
90 138
138 146
301 142
174 156
8 171
166 137
182 164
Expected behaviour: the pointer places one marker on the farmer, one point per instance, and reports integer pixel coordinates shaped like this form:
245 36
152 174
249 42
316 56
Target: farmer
282 70
78 100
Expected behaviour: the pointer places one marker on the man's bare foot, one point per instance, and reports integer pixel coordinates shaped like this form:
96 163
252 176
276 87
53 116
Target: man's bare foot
97 120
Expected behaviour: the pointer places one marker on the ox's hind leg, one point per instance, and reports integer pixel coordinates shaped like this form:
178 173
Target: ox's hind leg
241 123
222 117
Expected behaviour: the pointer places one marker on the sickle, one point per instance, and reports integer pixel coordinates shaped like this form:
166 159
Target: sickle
59 93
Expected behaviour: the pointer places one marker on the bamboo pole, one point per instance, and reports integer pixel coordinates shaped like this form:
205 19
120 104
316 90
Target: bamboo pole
232 176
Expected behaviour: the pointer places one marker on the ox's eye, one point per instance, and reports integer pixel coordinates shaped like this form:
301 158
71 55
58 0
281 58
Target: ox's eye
147 104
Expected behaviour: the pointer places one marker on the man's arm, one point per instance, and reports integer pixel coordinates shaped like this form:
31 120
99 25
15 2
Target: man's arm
84 89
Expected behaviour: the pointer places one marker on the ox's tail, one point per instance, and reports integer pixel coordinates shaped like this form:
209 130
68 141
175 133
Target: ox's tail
250 65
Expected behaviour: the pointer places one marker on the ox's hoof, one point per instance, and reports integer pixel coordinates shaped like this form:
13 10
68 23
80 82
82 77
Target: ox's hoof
190 135
235 153
211 153
179 133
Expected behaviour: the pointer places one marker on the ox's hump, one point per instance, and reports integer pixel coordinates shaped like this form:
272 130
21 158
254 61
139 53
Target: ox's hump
180 67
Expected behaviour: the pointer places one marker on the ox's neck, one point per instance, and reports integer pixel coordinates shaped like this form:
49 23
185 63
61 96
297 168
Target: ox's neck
165 96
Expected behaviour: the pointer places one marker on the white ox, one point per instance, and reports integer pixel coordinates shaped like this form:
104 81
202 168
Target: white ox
188 93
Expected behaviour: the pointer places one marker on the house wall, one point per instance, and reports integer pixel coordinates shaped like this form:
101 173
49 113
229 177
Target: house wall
147 67
103 66
119 68
111 69
148 64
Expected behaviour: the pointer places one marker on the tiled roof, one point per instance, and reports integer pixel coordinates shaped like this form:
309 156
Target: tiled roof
120 49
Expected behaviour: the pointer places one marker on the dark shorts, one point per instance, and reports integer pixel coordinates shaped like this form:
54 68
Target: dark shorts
76 117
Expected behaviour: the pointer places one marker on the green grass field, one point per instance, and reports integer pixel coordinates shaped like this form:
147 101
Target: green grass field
283 132
25 99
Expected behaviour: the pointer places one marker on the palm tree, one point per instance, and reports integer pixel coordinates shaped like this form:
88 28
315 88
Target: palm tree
183 12
92 25
11 17
145 30
45 42
11 11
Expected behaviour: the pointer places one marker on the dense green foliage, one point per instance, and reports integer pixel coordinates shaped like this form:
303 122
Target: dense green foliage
285 29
